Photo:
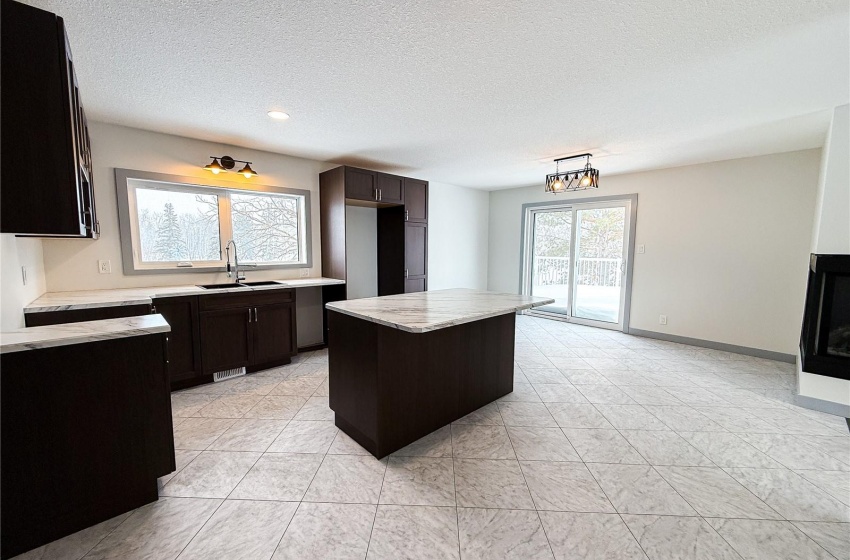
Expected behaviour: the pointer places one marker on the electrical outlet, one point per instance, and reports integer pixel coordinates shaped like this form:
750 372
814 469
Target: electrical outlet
104 267
641 248
662 319
305 272
24 274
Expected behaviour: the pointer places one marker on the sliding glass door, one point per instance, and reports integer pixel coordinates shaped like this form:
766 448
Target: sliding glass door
576 253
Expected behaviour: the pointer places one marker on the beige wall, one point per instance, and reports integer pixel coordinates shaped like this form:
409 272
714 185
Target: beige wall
457 237
727 246
71 264
15 253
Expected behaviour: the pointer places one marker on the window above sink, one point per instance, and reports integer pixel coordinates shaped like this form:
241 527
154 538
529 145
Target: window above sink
172 224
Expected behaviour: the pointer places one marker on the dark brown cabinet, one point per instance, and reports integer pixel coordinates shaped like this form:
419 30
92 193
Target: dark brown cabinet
184 340
360 184
226 339
390 189
46 184
402 216
273 340
415 257
86 431
253 330
415 200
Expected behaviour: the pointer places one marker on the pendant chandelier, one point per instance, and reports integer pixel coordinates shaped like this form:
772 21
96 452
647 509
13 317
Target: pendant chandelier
574 180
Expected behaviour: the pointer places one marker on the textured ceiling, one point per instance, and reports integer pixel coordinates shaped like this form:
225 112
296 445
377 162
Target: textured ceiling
470 93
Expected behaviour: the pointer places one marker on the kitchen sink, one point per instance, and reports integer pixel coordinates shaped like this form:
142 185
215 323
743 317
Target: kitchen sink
221 286
262 283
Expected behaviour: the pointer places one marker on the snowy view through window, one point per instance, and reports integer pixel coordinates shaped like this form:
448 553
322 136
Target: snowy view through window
184 226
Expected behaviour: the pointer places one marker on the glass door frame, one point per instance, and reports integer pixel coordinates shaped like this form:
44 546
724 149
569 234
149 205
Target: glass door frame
629 201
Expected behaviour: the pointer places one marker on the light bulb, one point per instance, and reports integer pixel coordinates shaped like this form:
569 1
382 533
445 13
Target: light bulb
585 181
557 185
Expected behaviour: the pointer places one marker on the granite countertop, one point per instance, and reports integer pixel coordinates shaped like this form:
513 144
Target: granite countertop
63 301
32 338
428 311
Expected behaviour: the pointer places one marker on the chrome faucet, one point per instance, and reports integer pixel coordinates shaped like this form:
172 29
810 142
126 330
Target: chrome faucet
235 260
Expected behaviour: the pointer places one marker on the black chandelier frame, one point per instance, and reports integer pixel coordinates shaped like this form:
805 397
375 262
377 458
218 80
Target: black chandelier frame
568 181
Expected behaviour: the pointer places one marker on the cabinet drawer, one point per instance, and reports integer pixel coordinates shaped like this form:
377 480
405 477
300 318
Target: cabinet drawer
248 299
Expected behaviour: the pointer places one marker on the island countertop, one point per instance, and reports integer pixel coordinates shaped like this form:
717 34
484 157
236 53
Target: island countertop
48 336
428 311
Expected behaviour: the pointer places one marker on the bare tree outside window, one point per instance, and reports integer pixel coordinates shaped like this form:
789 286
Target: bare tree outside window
265 227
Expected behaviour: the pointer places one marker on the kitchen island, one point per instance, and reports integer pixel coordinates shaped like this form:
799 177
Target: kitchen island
403 366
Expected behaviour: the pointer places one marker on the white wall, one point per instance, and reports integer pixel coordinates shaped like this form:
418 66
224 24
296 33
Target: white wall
727 246
17 252
458 222
831 234
71 264
361 252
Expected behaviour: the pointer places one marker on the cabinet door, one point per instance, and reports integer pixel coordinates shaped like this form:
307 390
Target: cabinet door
415 200
414 285
390 188
226 339
274 333
37 110
184 340
415 255
360 184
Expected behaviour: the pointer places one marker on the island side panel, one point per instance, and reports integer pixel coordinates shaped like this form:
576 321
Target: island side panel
419 377
353 381
487 371
390 387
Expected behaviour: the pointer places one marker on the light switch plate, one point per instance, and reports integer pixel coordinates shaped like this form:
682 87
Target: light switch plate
104 267
641 248
662 319
305 272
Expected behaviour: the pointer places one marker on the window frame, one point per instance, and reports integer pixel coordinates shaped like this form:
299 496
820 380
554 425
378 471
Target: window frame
129 227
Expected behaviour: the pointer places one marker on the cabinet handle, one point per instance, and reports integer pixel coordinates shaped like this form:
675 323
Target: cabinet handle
249 314
380 194
256 316
406 215
405 273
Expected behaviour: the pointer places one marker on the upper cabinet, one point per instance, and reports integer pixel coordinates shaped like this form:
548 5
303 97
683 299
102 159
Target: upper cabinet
360 184
402 215
390 189
415 200
46 177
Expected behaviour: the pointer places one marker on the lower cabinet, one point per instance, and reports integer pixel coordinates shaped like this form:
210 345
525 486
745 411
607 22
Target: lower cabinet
226 339
274 333
184 340
252 330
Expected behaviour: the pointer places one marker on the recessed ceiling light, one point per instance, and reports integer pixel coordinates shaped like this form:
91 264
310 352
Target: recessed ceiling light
279 115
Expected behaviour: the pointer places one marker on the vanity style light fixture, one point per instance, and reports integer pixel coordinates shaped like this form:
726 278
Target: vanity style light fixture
574 180
228 163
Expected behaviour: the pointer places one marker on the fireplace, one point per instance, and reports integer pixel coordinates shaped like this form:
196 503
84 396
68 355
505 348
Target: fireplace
825 340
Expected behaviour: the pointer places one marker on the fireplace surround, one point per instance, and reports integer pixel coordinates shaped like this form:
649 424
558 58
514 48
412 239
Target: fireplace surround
825 339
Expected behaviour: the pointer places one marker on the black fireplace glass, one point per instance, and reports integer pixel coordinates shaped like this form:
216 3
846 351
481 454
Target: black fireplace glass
837 289
825 337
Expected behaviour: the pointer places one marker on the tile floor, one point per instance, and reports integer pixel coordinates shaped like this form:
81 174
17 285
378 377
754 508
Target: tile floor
610 447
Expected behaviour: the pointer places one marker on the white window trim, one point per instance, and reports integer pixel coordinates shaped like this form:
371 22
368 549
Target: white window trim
128 223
